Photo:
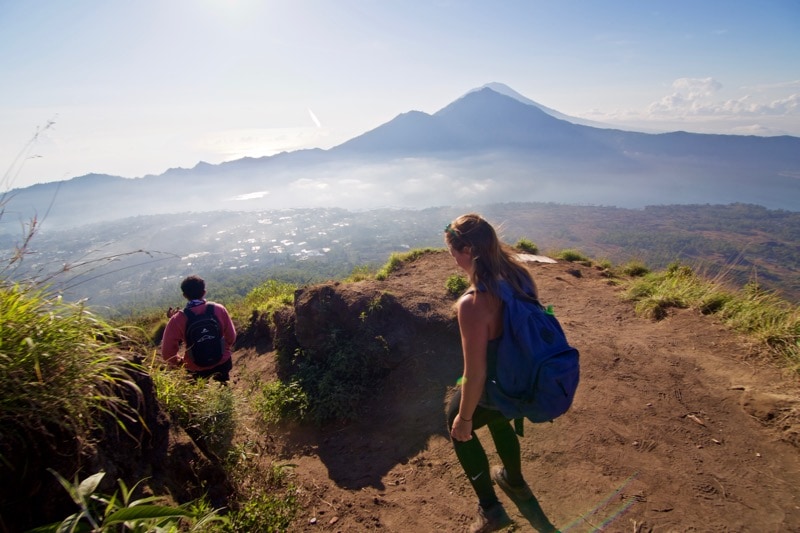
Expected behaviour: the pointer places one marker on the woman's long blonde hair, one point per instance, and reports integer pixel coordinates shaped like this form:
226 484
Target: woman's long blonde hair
494 260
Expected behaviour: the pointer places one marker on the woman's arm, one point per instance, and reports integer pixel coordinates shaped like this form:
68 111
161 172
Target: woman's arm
473 322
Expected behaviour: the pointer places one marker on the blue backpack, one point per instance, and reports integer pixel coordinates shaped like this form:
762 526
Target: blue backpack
537 371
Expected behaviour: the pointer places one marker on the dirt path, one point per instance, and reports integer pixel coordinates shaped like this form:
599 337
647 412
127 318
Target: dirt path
678 425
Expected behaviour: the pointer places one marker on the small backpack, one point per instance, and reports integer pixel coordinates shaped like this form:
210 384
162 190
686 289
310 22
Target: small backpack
537 371
204 341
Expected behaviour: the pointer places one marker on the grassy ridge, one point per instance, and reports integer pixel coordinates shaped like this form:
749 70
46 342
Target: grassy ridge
62 370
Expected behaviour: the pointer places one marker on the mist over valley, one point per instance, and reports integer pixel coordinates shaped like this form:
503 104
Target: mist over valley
316 214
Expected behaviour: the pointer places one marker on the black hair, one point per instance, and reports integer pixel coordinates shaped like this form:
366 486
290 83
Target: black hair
193 287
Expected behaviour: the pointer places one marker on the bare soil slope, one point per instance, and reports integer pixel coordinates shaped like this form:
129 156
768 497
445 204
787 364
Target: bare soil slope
678 425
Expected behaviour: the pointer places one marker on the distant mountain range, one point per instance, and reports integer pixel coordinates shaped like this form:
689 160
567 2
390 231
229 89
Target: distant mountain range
491 145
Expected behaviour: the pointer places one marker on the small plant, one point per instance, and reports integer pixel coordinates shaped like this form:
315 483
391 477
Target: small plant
271 504
280 401
206 410
635 269
456 285
526 246
605 264
270 295
376 304
360 273
121 512
397 259
573 256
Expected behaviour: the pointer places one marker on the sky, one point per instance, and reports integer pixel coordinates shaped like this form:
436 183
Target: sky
135 88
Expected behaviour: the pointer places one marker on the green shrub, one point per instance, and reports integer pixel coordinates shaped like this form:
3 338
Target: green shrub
573 256
271 504
526 246
205 409
360 273
270 295
634 269
605 264
397 259
279 401
456 285
326 385
59 373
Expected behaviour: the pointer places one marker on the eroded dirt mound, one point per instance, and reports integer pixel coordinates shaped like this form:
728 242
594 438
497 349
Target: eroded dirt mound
678 425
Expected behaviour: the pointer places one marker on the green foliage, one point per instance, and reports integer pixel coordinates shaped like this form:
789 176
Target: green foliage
279 401
327 385
634 269
605 264
573 256
270 295
456 284
271 503
526 246
58 372
758 313
205 409
397 259
337 383
265 512
360 273
120 512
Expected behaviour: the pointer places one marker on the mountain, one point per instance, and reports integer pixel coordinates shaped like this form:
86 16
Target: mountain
508 91
485 147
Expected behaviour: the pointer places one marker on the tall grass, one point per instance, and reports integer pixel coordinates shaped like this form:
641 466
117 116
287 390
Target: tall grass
205 409
397 259
760 314
270 295
59 373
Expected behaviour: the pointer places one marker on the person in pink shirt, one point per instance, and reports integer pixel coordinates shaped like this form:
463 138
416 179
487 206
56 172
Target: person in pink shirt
194 290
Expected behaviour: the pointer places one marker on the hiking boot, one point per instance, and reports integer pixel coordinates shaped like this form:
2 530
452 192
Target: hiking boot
491 519
518 493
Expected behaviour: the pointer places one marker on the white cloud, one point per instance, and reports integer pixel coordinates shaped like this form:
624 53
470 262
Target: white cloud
696 97
691 96
705 105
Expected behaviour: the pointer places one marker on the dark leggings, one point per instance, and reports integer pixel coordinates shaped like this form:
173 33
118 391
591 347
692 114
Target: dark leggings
219 373
472 456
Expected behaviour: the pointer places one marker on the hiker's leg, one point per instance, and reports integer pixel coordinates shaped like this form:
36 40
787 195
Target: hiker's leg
219 373
471 454
507 444
222 373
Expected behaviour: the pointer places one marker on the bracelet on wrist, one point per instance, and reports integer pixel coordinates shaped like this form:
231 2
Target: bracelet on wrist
464 419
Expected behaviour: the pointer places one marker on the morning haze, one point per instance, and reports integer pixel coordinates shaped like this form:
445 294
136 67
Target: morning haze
385 190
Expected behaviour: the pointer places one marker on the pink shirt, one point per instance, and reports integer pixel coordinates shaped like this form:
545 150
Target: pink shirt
175 335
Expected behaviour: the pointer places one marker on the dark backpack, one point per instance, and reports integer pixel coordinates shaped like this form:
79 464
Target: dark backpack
204 341
537 371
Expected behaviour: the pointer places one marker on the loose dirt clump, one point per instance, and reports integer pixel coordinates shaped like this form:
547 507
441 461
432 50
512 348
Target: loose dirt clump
678 424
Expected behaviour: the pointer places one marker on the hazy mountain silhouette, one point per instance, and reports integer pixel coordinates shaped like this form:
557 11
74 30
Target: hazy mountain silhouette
484 147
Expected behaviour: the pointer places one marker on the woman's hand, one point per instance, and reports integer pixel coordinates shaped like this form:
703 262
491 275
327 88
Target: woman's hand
462 429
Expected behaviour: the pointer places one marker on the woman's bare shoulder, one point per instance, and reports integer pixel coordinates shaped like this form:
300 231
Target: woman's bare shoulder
476 302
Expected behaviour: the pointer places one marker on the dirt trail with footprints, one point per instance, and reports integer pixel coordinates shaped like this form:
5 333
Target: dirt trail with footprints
678 425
